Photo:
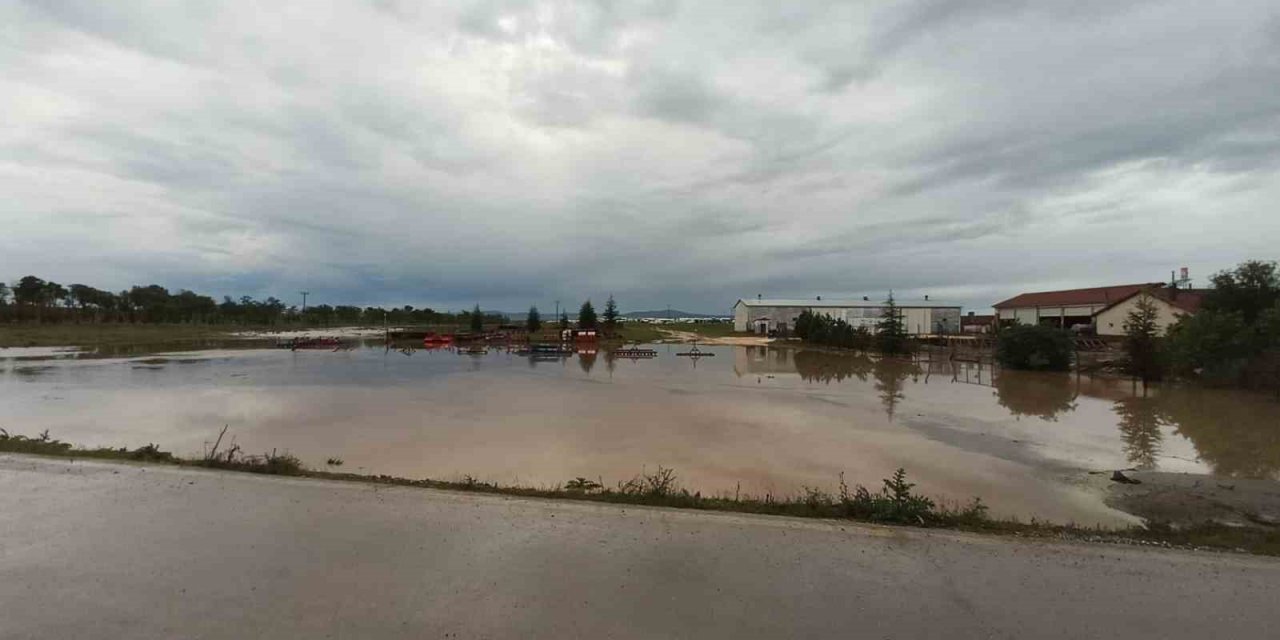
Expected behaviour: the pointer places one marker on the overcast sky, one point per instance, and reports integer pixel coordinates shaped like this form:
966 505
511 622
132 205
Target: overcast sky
684 153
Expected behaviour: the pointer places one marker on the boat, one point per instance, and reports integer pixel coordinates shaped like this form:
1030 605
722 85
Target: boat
436 340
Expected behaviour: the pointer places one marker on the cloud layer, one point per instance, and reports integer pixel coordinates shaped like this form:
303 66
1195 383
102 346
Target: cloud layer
685 153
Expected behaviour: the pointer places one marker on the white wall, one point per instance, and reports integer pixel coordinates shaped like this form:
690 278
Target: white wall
1111 321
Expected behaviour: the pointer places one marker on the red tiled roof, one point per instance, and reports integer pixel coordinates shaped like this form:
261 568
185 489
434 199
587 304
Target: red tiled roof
1188 300
1075 297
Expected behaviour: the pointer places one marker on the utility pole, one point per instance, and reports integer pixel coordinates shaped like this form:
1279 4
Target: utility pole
304 300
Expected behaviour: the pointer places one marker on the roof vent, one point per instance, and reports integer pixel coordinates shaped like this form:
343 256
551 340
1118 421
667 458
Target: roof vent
819 297
864 298
926 296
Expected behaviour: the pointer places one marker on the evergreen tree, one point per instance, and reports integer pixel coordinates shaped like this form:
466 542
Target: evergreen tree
1141 343
564 320
587 316
610 315
891 333
534 322
477 320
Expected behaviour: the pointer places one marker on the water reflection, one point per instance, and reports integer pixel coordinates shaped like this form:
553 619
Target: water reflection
587 360
1040 395
827 367
1140 422
891 375
1229 433
1237 433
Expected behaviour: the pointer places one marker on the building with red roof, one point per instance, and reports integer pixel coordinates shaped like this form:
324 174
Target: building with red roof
1065 308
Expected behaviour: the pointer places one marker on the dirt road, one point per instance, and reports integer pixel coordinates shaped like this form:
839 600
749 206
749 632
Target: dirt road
99 550
674 335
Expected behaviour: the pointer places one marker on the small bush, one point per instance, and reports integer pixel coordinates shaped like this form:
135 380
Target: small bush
583 485
1035 347
894 503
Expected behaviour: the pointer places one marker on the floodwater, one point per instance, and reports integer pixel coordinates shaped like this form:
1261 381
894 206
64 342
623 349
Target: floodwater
755 420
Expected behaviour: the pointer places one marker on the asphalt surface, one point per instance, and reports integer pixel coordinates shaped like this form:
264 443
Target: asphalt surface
102 550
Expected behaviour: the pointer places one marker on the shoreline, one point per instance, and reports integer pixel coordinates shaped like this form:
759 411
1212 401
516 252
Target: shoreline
1257 535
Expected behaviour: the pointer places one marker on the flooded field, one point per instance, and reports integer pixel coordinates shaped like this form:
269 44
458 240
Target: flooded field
754 420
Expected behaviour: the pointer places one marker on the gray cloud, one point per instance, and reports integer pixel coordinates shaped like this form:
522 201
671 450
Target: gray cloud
685 153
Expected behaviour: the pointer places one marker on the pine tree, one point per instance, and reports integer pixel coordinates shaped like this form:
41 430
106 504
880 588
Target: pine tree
610 316
1142 334
891 333
587 316
534 322
477 320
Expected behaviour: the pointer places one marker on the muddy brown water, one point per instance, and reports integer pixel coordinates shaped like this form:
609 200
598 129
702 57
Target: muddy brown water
754 420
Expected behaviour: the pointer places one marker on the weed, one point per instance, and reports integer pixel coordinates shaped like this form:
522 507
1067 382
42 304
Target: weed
334 462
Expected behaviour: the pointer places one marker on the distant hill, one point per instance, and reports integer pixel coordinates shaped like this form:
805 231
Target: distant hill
664 313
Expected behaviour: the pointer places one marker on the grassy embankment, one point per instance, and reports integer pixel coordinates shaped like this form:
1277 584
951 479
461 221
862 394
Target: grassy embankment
893 504
92 335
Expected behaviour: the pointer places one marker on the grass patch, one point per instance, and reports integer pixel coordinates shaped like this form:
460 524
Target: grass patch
894 503
47 446
93 335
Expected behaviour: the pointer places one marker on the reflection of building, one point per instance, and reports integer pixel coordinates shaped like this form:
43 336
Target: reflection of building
921 317
1171 304
763 360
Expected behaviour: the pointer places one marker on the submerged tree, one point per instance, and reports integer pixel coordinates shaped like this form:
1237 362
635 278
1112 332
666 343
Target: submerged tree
534 322
587 316
610 315
1034 347
477 320
1142 340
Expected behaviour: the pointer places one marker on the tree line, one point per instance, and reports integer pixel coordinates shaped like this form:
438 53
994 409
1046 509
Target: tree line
34 300
587 318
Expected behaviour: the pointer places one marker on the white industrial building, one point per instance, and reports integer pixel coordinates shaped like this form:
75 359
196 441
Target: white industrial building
919 317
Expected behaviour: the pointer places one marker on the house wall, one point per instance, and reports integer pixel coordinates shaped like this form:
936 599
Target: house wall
916 320
740 314
1111 321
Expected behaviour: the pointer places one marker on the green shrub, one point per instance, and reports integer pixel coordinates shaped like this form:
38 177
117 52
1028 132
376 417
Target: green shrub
1036 347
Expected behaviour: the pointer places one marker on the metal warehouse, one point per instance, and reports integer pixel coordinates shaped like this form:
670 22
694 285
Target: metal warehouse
920 317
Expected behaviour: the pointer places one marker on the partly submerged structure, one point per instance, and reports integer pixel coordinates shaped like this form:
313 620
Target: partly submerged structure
920 317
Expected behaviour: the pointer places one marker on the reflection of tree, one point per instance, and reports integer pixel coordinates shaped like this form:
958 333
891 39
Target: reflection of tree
587 360
610 362
890 374
1235 432
822 366
1140 422
1028 393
